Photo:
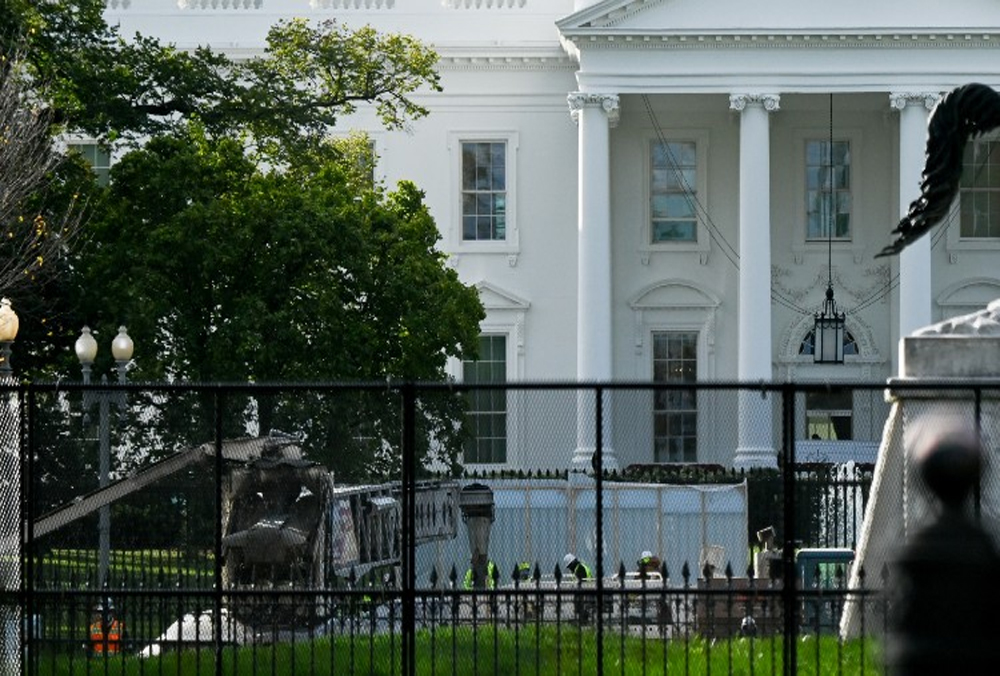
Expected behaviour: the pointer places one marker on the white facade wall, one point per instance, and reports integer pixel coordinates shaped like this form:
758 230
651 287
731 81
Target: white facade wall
507 68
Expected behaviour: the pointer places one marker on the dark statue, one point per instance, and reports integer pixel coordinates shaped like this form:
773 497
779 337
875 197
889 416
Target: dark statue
961 114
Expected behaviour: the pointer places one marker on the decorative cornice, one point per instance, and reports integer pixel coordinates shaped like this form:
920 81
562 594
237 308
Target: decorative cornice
899 100
485 4
524 62
608 102
587 38
118 4
352 4
741 101
220 4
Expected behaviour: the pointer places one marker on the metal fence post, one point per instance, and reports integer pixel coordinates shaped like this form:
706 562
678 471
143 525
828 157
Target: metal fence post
409 665
599 512
217 612
789 584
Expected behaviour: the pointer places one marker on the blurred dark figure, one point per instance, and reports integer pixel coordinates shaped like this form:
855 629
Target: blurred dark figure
943 589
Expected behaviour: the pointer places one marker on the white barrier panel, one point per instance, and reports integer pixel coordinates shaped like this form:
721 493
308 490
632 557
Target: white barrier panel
540 521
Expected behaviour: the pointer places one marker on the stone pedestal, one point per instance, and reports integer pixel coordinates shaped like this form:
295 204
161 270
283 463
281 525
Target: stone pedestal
949 379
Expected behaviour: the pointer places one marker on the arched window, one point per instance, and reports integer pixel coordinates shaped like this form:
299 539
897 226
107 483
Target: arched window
808 343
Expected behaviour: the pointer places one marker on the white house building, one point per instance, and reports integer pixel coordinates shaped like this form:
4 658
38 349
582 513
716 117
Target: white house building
663 189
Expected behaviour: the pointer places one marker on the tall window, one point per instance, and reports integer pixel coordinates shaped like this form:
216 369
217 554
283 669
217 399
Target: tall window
484 191
97 156
487 409
828 190
828 415
675 412
672 192
979 192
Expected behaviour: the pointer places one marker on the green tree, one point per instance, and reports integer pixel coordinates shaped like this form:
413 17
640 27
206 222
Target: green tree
97 81
227 271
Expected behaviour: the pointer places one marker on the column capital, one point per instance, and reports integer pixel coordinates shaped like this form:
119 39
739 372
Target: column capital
741 101
899 100
608 102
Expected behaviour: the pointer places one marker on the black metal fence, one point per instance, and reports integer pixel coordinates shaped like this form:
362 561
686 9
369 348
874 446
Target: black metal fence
154 543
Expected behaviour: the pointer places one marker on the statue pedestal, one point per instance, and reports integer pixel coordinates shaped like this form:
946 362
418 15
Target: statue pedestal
949 379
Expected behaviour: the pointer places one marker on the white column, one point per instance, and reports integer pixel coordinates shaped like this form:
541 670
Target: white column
595 114
915 260
755 446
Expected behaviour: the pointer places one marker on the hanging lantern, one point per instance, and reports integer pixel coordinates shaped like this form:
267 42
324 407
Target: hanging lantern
828 345
828 333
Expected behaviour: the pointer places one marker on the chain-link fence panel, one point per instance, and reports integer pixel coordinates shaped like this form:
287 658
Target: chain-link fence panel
10 529
361 528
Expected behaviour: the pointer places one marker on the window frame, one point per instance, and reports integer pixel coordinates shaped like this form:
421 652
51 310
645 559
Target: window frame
492 462
511 242
830 413
954 241
801 245
103 173
695 337
702 243
824 189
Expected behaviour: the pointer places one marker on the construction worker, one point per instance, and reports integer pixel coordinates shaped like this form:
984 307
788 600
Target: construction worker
647 564
491 575
522 573
577 567
584 604
106 630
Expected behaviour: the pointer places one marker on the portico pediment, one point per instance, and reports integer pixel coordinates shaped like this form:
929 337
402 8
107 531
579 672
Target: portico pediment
722 46
792 17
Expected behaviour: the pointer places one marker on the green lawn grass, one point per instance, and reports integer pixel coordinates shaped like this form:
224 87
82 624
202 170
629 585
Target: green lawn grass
494 652
63 563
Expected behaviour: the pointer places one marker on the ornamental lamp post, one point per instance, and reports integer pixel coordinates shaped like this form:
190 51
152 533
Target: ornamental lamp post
86 351
9 324
478 512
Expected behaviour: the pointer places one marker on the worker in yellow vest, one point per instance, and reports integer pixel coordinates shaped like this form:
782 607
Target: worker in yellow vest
106 630
491 576
577 568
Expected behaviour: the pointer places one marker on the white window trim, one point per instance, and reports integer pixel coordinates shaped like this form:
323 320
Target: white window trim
677 305
701 344
505 315
801 245
700 137
511 244
953 221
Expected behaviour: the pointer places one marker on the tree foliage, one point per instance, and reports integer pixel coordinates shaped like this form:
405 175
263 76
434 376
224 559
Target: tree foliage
239 244
42 199
227 271
112 86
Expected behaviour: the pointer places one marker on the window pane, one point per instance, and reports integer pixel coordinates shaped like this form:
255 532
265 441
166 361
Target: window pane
487 408
675 416
97 157
828 190
673 179
674 231
829 414
484 182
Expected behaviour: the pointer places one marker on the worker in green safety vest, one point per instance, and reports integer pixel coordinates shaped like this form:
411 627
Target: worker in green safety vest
577 567
491 574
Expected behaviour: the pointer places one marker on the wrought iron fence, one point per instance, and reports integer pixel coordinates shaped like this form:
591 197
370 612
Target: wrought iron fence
339 545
